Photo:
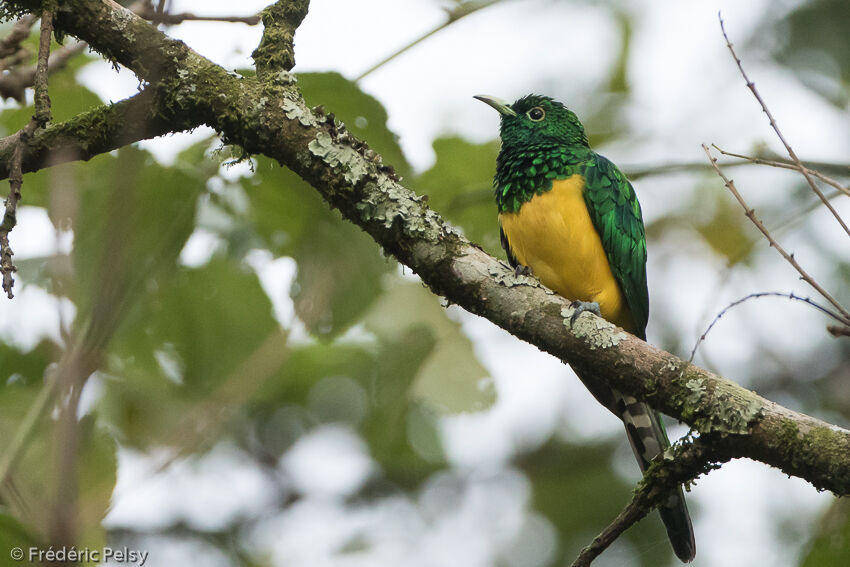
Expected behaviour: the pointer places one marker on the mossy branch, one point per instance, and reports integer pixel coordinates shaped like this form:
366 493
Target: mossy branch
276 51
271 118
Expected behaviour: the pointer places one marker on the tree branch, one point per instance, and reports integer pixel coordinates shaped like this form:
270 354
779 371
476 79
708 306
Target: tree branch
10 44
100 130
151 14
683 463
271 118
14 83
276 51
18 142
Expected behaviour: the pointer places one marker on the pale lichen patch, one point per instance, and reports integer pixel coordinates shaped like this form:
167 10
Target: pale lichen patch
388 202
696 389
339 157
595 331
509 279
295 111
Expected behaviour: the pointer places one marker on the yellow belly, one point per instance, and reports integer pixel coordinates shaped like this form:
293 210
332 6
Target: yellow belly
553 235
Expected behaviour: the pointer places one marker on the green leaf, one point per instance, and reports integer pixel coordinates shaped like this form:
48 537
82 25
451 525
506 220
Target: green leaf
339 275
30 492
68 98
362 114
451 378
204 343
716 218
340 268
134 219
460 187
576 488
25 367
812 41
831 544
368 386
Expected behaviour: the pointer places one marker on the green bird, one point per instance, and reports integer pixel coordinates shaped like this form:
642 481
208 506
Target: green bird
571 217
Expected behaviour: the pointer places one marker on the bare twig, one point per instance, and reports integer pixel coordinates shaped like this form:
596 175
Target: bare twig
775 126
174 19
751 214
42 98
784 165
10 219
460 11
16 178
790 296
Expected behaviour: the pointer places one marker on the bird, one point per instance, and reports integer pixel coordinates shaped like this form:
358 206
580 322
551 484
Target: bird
571 218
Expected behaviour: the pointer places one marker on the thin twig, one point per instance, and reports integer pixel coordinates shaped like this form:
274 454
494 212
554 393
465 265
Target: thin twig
737 302
174 19
10 219
784 165
460 11
775 126
634 511
751 214
16 178
691 459
42 98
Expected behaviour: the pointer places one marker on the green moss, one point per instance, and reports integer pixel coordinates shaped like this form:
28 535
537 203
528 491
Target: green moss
275 52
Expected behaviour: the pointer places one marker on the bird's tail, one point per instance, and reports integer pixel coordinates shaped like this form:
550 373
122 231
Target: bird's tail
648 439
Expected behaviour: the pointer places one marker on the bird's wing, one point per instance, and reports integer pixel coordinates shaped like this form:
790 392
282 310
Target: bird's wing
506 245
616 215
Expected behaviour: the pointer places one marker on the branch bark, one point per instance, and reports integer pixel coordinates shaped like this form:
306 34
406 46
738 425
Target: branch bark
270 117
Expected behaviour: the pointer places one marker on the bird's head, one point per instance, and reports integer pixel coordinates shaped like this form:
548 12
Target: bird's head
537 121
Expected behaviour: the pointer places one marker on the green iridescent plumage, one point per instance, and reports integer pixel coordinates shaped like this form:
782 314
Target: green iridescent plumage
543 141
535 154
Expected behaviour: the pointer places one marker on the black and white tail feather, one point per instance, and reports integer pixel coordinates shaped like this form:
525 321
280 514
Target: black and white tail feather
649 439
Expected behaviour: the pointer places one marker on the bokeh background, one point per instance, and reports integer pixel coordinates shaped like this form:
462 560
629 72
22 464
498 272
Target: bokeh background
273 390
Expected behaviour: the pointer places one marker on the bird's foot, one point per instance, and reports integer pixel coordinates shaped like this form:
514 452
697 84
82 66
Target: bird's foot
580 307
520 270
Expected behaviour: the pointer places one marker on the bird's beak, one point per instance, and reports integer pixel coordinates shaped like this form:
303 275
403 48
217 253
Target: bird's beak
497 103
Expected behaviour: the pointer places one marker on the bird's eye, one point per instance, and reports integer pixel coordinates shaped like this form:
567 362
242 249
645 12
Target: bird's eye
536 114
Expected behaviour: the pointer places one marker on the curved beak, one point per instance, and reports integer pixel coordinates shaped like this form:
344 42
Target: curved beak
497 103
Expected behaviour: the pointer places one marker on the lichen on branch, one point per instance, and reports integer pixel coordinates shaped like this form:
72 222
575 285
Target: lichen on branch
268 116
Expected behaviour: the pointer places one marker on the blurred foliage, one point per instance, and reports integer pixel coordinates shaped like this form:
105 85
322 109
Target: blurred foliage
831 546
459 186
813 42
190 354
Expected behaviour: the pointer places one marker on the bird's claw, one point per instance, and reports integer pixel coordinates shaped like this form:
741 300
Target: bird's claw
580 307
520 270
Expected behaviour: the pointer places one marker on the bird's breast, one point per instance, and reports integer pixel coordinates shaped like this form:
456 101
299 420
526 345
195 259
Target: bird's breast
554 236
